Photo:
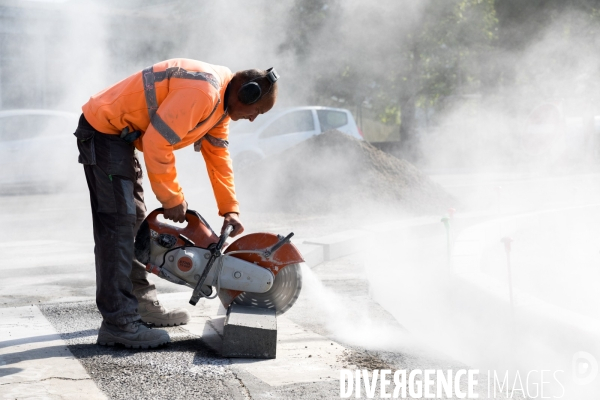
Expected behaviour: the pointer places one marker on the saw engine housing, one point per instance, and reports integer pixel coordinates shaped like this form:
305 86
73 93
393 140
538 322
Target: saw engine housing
188 263
245 272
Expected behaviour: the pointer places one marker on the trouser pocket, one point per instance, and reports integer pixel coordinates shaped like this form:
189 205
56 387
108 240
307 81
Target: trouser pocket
122 158
114 156
112 194
86 146
114 173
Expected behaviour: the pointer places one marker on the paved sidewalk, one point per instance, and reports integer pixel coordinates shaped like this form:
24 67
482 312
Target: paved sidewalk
302 356
35 362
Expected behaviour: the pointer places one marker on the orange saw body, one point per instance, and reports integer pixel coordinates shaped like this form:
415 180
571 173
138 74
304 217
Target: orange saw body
259 269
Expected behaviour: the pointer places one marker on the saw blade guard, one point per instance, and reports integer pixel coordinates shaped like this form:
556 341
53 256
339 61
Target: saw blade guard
284 263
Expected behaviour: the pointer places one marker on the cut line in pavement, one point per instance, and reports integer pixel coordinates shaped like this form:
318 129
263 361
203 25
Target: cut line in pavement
302 355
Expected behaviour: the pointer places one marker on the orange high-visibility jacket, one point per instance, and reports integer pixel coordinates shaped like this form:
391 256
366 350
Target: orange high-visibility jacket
174 103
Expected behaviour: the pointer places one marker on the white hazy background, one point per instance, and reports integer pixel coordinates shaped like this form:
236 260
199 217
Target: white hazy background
73 49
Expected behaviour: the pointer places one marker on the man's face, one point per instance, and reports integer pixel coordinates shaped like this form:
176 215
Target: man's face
238 110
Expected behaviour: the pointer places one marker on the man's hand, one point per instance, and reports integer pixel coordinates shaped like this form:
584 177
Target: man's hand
177 213
233 219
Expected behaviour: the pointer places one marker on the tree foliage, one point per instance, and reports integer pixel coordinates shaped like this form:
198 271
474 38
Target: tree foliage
434 50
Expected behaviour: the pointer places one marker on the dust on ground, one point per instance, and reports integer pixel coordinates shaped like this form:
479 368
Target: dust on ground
334 172
363 359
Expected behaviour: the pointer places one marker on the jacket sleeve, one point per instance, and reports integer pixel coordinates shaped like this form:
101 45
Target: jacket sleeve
176 116
219 167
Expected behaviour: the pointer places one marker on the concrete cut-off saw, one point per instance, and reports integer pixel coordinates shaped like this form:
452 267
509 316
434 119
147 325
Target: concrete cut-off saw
259 269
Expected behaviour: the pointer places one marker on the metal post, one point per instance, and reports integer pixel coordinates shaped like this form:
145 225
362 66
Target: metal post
447 224
507 244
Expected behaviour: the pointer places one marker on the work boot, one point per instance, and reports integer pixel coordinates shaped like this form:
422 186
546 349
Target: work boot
152 312
134 334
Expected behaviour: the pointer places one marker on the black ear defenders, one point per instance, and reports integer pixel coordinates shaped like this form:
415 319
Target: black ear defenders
250 92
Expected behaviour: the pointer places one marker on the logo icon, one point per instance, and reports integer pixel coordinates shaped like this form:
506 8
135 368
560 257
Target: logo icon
185 264
585 368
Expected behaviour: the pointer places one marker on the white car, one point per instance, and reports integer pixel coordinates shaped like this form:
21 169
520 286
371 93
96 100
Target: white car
38 152
276 131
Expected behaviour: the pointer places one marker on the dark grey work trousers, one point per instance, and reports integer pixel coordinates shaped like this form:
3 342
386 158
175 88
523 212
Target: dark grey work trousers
114 179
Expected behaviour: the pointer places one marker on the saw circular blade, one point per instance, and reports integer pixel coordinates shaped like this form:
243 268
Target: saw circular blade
282 295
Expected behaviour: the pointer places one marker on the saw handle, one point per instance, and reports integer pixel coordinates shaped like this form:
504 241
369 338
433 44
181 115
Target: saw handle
193 218
224 236
214 254
197 230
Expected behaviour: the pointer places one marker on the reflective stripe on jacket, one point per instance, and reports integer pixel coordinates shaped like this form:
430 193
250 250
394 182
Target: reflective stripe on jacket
174 103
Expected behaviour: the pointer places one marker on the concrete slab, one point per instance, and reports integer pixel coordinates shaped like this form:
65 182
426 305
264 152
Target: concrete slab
302 356
312 253
404 226
35 362
341 244
250 332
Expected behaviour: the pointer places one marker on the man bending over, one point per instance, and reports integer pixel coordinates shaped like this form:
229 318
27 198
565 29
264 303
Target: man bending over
165 107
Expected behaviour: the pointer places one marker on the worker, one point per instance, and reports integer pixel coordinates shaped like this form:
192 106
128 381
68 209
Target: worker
165 107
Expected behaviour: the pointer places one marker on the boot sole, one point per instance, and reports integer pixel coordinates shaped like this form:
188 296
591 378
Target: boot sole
162 323
133 345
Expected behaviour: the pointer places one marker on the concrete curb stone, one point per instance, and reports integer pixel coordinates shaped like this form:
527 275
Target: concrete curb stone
250 332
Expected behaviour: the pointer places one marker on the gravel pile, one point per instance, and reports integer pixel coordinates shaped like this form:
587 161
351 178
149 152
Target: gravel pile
335 172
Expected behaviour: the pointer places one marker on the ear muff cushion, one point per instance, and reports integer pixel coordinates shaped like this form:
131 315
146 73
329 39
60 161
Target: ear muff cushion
249 93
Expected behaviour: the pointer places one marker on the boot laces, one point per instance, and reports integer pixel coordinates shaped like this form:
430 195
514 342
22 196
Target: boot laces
139 322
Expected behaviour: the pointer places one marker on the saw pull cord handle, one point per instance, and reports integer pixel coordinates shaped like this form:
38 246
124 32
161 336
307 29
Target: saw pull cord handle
215 254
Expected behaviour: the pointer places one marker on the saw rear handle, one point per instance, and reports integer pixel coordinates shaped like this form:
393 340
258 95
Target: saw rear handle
193 218
215 253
